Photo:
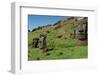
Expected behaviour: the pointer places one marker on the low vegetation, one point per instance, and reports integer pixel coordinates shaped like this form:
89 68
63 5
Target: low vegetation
59 43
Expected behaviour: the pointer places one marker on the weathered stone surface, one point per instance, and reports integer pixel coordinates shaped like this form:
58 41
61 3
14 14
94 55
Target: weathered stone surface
42 41
81 31
35 42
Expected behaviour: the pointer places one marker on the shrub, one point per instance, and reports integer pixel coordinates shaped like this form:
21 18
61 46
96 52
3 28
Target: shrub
48 31
60 53
47 54
37 58
59 36
29 31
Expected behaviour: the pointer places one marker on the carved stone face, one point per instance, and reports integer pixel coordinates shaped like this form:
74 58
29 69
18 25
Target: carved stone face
43 34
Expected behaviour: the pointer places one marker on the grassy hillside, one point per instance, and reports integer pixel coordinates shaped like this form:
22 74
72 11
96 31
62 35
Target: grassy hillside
59 43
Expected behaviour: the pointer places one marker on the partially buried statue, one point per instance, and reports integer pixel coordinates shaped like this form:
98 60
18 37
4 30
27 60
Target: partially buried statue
35 42
42 41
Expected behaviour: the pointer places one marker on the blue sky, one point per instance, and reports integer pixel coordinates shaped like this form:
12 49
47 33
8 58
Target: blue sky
40 20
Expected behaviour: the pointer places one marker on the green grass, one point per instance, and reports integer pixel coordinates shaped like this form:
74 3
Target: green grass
60 43
67 53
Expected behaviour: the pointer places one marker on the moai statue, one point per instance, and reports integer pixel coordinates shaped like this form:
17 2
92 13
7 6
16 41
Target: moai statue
81 35
42 41
86 29
74 33
35 42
